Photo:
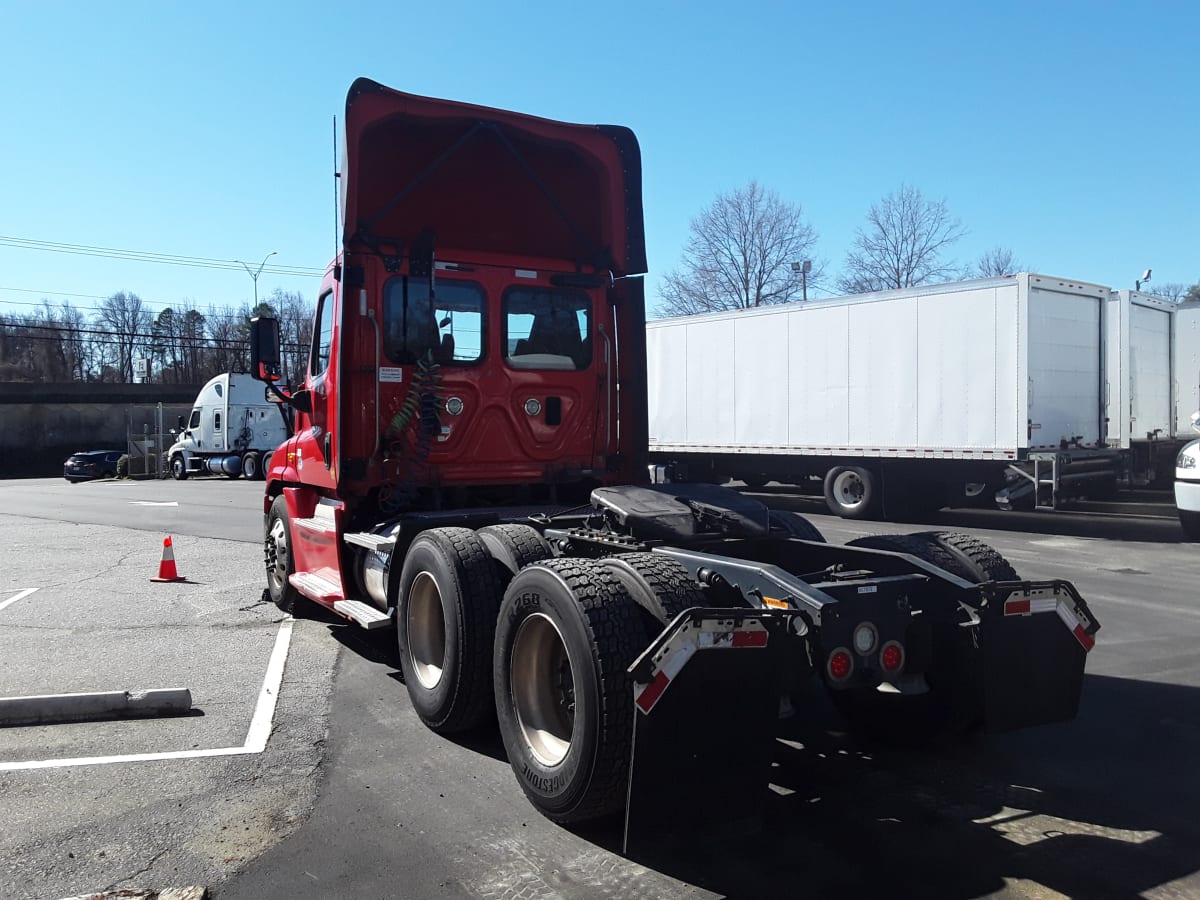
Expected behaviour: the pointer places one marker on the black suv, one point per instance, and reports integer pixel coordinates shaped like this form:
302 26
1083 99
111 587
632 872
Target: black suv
90 464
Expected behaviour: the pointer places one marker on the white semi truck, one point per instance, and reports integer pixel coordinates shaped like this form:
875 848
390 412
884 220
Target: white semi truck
1027 388
232 430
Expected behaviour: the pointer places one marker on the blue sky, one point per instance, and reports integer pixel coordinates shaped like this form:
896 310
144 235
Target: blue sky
1066 131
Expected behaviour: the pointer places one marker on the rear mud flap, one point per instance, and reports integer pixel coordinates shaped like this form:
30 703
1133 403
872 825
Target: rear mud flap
706 697
1034 640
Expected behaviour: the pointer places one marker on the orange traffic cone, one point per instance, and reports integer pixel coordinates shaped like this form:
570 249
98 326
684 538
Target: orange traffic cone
166 568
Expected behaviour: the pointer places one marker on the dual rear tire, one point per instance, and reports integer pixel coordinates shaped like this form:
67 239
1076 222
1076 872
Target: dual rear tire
488 625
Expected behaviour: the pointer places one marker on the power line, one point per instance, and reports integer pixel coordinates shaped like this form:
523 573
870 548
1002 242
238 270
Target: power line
169 259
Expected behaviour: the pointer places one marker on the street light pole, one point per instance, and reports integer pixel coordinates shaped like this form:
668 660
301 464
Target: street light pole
254 275
1145 277
803 268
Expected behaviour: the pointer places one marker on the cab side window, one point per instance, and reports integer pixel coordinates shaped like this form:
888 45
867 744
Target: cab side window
322 336
194 422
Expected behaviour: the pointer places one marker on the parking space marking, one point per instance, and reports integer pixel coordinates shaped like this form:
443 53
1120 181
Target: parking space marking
256 735
20 595
153 502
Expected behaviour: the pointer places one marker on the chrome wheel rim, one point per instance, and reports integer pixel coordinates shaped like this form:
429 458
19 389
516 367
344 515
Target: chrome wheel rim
543 689
426 630
276 551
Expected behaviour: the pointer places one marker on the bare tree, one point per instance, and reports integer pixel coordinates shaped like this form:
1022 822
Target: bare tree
1175 291
739 255
128 323
295 316
230 333
902 244
997 261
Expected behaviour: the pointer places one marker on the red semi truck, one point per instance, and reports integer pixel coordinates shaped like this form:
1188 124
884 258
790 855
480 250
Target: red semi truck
468 467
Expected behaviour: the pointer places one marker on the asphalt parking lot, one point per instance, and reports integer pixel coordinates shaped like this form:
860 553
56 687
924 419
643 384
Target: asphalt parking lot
92 805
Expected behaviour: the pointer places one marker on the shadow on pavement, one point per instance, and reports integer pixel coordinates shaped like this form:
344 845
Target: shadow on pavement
1100 807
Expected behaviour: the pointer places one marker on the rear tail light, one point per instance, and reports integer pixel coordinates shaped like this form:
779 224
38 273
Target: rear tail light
840 665
891 657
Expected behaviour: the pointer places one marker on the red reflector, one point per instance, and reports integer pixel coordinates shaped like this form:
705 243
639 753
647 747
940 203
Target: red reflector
1017 607
840 664
1085 639
891 657
750 639
653 691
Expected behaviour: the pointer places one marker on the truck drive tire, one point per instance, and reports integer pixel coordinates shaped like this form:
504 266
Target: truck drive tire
852 492
446 617
951 706
659 585
795 525
278 556
513 547
252 465
959 554
178 468
566 635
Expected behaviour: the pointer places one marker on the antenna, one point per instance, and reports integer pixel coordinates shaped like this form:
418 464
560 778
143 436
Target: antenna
336 206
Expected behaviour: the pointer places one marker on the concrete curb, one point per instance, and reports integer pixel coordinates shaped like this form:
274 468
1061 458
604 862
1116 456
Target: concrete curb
49 709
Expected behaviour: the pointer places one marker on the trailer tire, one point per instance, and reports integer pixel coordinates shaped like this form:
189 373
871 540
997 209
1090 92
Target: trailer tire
513 547
178 468
252 465
658 584
277 555
852 492
755 482
795 525
445 620
566 635
1190 523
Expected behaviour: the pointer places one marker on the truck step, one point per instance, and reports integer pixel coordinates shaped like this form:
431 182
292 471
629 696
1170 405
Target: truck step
316 587
372 541
365 615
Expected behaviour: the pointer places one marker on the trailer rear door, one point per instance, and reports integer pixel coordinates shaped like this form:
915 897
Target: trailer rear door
1149 371
1065 361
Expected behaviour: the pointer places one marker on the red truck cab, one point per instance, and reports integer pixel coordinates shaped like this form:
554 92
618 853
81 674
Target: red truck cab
480 338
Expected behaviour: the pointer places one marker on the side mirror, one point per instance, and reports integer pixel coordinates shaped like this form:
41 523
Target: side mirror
264 348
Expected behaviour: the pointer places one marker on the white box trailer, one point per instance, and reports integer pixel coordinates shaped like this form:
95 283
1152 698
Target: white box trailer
1187 368
888 397
232 430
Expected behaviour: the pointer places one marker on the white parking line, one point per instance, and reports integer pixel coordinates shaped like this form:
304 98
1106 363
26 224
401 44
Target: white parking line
20 595
256 736
153 502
